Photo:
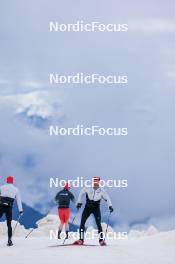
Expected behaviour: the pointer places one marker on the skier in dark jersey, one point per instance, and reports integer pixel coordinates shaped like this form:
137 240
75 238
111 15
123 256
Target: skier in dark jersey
63 199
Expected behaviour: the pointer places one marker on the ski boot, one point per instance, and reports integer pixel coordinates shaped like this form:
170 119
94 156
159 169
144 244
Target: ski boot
79 242
59 233
10 243
67 235
102 242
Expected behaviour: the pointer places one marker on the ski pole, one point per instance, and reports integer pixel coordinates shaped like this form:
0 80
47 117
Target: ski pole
34 228
72 223
107 226
75 216
16 224
29 233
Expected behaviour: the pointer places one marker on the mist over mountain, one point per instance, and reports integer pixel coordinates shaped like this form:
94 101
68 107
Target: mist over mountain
28 104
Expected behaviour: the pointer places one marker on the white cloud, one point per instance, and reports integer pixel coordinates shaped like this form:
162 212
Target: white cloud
170 72
146 156
31 84
38 103
152 25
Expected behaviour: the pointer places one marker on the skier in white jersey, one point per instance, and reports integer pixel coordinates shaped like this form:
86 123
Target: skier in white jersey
8 193
93 197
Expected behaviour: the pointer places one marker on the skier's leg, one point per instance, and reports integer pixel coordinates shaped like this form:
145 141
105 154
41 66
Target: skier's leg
67 230
97 215
67 227
1 211
67 215
66 218
86 213
60 227
61 217
9 226
8 214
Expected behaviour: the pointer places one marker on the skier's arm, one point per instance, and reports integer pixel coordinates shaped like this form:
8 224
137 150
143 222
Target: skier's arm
106 197
72 197
57 197
19 202
82 193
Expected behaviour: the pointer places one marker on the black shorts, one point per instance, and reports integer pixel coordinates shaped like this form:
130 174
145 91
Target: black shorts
7 210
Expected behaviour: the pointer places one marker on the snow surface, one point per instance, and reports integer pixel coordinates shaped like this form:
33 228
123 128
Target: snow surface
141 247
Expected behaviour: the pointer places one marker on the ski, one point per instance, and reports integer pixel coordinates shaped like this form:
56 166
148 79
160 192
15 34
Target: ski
84 245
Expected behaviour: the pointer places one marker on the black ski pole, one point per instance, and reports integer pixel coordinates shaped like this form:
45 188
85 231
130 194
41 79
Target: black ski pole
16 224
107 226
71 223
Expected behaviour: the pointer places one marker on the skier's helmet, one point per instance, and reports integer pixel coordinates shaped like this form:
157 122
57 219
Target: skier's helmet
67 186
10 179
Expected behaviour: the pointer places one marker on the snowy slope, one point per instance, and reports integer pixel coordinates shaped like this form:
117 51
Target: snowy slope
148 247
156 249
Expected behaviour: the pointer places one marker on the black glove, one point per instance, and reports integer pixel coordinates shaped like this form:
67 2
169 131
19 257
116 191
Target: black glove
21 212
111 209
79 205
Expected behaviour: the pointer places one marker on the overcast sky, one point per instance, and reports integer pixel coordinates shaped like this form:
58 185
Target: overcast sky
28 53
